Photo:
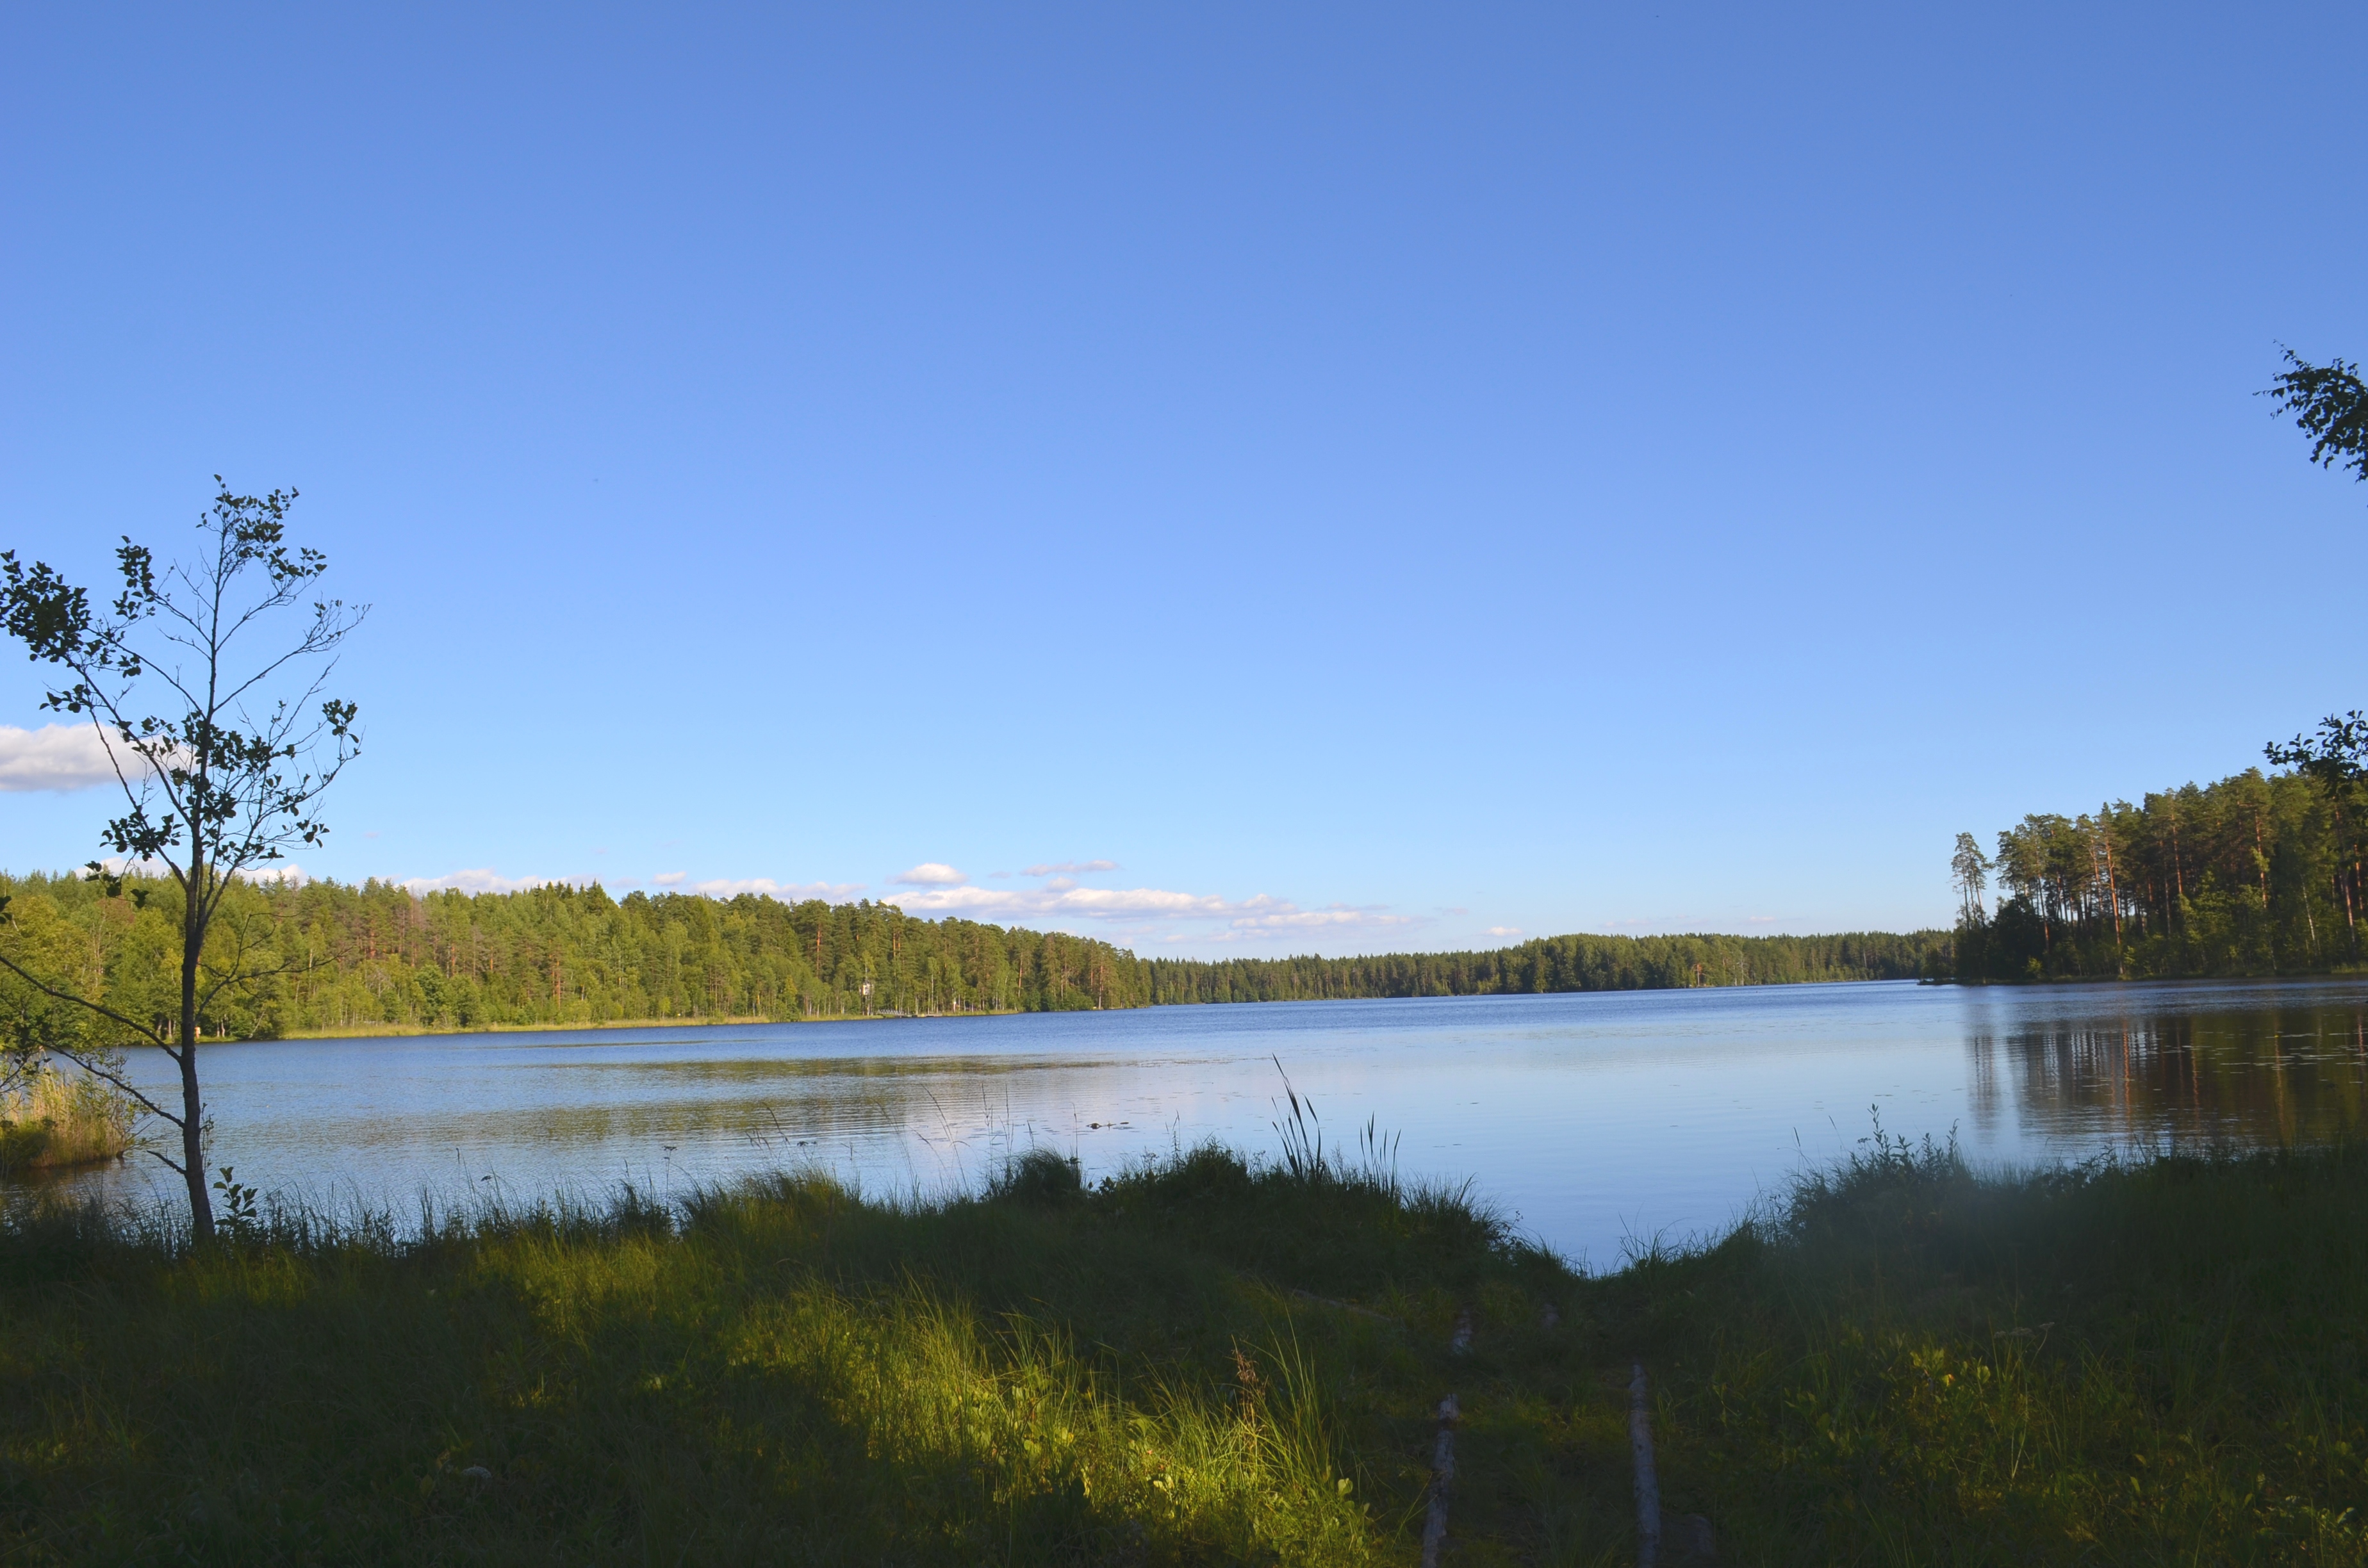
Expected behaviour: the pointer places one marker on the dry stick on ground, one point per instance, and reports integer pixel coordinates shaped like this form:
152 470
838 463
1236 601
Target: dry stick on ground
1443 1473
1649 1489
1442 1450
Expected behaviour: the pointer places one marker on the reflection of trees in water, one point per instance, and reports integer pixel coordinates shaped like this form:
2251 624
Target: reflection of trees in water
2262 1075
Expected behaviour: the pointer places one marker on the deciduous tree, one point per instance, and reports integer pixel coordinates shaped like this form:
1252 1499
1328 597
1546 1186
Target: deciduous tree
222 744
2329 402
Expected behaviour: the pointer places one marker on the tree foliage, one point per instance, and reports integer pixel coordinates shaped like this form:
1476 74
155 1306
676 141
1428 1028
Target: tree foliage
1578 962
347 959
2255 874
2329 403
222 779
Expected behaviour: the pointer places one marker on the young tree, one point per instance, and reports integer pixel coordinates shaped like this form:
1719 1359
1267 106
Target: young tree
2329 402
224 781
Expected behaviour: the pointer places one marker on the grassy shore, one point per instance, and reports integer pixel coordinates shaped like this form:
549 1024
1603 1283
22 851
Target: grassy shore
54 1121
1205 1360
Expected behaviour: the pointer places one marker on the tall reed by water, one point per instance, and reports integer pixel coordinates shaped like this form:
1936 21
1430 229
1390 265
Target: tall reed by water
53 1120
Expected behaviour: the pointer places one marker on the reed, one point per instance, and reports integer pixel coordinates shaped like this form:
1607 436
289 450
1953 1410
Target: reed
53 1121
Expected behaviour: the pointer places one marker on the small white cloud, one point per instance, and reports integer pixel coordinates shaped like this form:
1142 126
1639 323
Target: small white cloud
1136 909
480 879
788 892
668 879
1504 930
1759 920
281 873
932 874
1067 867
55 756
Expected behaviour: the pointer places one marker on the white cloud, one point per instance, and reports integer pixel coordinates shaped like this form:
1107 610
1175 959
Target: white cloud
286 873
1504 930
1260 915
788 892
1065 868
669 879
481 878
55 756
932 874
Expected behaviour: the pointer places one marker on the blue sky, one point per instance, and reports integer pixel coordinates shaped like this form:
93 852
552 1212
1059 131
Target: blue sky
1223 478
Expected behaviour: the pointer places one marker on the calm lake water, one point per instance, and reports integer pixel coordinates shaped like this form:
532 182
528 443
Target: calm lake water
1594 1119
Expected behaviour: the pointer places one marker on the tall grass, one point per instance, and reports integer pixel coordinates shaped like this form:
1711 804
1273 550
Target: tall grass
53 1120
780 1370
2150 1359
1201 1360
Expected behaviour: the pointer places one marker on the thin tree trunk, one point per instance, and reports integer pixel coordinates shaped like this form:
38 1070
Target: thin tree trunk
2261 860
2112 892
193 1110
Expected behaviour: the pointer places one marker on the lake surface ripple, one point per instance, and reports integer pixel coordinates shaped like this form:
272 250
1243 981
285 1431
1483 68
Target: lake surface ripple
1595 1119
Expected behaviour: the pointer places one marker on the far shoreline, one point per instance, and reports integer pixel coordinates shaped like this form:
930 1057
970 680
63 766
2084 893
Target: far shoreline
409 1031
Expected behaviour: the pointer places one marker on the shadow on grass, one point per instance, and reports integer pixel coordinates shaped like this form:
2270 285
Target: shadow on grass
1204 1359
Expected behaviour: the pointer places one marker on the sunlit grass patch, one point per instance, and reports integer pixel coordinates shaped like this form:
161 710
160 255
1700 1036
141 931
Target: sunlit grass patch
1203 1359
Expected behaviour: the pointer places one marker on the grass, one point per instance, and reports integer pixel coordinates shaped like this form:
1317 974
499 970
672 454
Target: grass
52 1121
1204 1360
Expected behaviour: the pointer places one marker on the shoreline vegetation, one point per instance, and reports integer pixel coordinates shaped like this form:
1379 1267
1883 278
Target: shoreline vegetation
53 1121
1204 1358
2255 875
339 959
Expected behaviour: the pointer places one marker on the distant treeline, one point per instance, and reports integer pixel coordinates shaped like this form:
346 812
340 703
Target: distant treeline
2256 874
329 957
333 956
1561 964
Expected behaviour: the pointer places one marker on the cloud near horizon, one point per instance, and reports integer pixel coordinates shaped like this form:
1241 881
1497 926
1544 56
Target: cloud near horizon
1257 916
788 892
931 874
58 757
481 878
1067 867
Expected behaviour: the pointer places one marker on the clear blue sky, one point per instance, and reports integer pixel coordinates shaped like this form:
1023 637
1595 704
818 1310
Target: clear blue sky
1372 476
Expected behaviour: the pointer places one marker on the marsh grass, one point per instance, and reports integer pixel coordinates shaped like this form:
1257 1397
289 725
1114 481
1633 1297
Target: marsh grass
2142 1360
53 1120
1201 1359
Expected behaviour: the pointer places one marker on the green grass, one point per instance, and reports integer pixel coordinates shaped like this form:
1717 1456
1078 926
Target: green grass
1205 1360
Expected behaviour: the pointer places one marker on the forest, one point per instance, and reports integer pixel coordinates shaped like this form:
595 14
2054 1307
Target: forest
1561 964
332 957
2258 874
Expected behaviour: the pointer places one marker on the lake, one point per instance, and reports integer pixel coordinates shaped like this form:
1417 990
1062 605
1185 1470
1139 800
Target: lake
1594 1119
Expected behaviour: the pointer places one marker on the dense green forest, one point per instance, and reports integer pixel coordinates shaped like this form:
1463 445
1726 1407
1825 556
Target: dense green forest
2256 874
331 957
1561 964
335 957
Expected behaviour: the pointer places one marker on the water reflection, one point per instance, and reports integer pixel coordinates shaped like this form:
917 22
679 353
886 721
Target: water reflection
2252 1065
1592 1119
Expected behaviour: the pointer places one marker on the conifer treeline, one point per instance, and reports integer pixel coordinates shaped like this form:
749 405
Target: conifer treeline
1561 964
2256 874
363 958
